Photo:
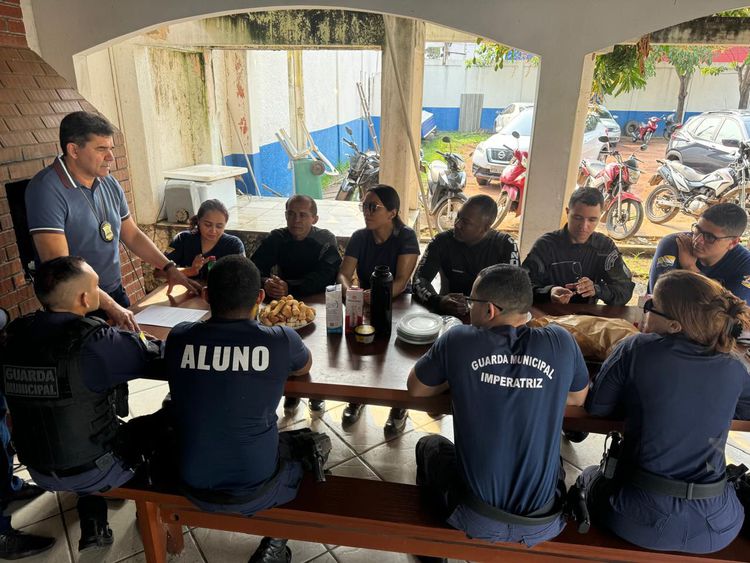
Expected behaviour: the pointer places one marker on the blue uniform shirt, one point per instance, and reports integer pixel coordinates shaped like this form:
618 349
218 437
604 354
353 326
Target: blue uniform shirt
369 254
55 203
678 400
732 271
187 245
508 389
226 379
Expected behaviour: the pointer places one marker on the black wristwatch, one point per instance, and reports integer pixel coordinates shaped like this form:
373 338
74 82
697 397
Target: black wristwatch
168 266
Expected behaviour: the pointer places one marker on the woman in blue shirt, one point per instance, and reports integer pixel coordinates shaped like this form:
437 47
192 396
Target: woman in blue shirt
385 240
678 387
206 240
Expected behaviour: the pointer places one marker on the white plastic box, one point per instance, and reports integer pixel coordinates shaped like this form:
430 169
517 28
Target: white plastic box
186 188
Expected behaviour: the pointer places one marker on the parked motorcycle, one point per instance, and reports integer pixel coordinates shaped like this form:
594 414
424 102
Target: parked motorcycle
512 183
643 131
680 188
670 126
623 210
446 181
364 171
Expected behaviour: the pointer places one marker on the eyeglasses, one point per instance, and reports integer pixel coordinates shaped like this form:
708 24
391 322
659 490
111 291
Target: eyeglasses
370 208
648 307
708 238
472 300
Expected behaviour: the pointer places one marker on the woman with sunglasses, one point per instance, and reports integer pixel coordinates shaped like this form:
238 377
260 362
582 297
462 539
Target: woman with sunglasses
205 242
678 387
385 240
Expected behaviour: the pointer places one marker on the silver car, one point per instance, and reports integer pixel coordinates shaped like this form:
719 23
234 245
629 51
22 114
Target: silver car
608 120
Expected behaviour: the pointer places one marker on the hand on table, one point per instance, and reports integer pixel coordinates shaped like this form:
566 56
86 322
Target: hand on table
560 295
122 318
176 277
454 304
583 287
688 261
197 264
275 287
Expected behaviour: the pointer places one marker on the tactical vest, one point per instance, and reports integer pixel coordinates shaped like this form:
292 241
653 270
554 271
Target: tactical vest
58 423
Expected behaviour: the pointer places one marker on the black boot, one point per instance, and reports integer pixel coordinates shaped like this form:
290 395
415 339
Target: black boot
272 550
574 436
317 405
290 405
17 545
351 413
95 530
27 491
396 421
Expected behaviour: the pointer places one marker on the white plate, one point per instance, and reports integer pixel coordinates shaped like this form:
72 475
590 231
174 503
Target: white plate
420 325
298 327
416 342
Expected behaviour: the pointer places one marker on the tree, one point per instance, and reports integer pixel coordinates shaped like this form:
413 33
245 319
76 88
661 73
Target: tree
686 61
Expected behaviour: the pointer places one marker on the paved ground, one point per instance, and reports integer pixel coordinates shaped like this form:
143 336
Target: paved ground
360 451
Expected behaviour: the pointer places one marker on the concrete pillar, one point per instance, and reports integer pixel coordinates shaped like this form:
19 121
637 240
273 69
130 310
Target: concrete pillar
396 163
296 97
563 93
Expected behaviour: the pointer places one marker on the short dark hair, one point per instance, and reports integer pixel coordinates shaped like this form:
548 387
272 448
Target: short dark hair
303 197
51 274
729 217
233 286
389 196
587 196
507 286
206 206
486 205
77 127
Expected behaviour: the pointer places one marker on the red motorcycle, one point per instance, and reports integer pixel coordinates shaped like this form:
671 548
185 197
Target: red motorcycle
512 183
643 131
623 211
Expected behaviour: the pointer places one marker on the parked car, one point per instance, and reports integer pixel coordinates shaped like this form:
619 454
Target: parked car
510 111
609 121
698 143
492 155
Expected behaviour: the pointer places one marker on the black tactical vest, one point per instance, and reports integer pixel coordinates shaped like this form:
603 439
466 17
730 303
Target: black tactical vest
58 423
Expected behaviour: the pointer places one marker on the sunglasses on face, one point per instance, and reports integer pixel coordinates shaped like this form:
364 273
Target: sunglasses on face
370 207
708 238
648 307
471 302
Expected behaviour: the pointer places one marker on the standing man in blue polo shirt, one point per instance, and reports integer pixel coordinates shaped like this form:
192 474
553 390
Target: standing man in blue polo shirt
503 479
712 248
75 207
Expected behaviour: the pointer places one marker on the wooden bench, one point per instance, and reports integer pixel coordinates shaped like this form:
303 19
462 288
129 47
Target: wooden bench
385 516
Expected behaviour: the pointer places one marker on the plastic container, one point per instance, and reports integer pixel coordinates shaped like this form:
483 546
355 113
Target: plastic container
364 334
381 297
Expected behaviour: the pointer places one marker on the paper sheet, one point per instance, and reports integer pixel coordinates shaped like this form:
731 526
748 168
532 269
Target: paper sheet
159 315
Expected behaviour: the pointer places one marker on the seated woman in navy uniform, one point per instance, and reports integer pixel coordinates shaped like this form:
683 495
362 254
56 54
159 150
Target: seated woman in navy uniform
386 241
678 387
205 242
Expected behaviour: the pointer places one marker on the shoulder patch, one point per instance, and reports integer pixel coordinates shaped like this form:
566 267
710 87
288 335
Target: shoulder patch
746 281
609 262
666 261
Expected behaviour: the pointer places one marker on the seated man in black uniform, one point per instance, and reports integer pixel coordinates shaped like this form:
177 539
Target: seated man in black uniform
14 544
227 376
307 259
59 372
460 254
575 264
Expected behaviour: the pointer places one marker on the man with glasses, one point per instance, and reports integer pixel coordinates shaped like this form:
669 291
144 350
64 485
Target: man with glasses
502 480
712 248
459 254
575 264
306 260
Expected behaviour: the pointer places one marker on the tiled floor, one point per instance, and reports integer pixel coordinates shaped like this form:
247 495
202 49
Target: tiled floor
361 451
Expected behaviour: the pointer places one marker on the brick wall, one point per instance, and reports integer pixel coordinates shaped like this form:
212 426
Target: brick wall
33 100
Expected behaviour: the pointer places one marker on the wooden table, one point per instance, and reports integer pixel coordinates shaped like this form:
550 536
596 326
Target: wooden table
344 370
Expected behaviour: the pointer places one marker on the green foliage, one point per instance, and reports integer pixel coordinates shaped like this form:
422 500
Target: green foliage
495 54
685 60
619 71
